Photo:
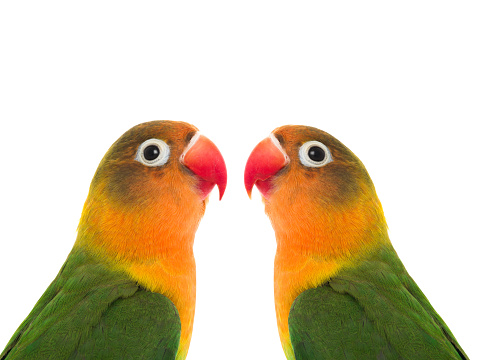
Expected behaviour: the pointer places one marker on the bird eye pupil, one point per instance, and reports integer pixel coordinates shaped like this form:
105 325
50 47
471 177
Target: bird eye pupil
151 152
316 153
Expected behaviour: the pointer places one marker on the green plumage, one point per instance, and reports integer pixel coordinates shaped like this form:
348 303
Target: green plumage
374 310
92 312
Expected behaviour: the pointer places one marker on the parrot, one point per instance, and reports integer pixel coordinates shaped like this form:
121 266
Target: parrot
340 289
127 289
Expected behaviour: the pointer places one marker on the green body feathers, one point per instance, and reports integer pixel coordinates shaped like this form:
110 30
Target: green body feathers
92 312
372 311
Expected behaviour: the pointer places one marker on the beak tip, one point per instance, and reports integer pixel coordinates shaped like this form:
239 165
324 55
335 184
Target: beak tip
222 180
222 192
248 182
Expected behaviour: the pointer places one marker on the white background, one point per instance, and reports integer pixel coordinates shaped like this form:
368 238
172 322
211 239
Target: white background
396 82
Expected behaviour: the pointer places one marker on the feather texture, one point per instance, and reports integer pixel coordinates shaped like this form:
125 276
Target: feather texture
373 310
92 312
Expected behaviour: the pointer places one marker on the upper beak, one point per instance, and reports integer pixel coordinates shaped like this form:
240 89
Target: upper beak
267 158
203 158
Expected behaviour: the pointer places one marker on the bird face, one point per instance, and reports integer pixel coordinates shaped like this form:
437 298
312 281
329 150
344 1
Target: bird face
158 157
149 191
317 193
303 159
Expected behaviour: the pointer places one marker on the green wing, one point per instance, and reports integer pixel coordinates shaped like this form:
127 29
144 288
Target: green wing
91 312
372 311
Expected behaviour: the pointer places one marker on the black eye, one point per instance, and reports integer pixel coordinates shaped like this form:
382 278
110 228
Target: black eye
316 153
151 152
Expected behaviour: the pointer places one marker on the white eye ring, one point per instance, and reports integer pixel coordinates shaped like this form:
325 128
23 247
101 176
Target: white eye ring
162 151
305 156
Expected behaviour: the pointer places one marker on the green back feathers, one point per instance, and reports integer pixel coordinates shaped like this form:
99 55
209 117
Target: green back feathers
91 312
372 311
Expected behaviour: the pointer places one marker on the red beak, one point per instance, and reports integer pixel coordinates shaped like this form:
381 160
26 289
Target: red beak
203 158
266 160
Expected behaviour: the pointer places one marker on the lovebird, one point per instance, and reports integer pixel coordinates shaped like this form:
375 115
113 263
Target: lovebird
127 290
340 289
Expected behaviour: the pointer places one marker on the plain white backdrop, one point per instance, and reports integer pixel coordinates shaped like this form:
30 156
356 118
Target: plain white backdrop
397 82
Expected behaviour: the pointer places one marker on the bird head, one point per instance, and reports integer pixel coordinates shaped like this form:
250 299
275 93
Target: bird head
314 188
151 185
